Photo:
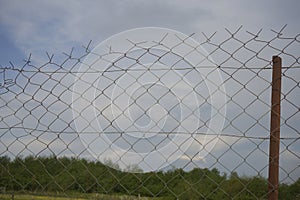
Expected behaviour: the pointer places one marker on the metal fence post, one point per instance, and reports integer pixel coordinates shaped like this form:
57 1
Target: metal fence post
275 130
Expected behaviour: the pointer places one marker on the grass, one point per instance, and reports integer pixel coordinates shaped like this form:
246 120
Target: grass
72 197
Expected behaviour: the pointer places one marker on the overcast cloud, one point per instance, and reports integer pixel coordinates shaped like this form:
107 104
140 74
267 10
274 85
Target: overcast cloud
36 26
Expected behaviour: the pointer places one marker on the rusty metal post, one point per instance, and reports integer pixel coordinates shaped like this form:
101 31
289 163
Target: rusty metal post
275 130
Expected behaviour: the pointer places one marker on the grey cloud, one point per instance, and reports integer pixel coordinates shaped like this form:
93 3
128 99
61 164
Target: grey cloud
56 25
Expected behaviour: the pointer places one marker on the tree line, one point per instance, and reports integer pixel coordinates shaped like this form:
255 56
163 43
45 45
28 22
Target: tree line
65 174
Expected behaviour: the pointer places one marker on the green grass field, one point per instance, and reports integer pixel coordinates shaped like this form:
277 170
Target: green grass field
34 197
72 197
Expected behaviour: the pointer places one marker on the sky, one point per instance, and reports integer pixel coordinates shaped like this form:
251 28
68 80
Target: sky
37 27
54 26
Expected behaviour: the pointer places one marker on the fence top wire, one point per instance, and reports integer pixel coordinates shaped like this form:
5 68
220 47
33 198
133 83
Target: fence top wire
208 40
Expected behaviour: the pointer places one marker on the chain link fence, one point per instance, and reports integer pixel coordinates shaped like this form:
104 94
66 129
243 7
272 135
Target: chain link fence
179 117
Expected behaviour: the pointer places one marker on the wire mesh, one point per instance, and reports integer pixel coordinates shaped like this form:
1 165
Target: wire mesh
143 98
